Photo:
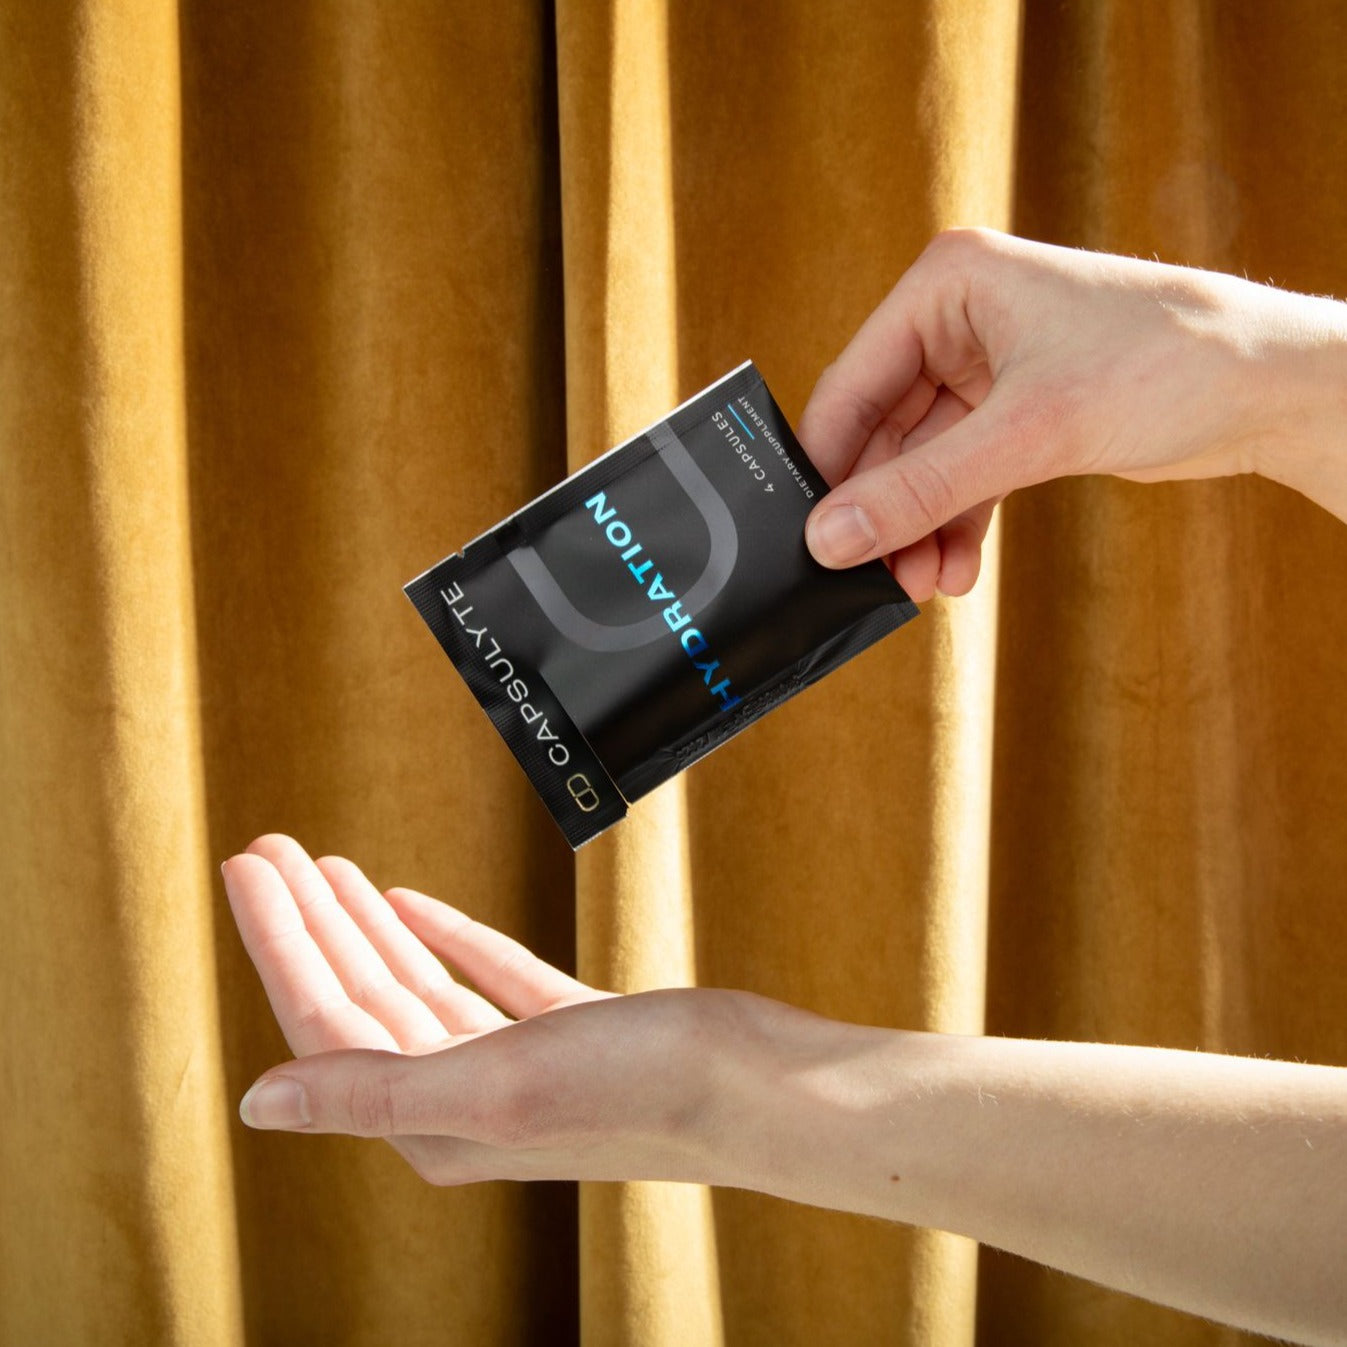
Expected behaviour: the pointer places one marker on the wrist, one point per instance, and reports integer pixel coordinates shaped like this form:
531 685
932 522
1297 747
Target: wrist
1304 399
807 1109
777 1098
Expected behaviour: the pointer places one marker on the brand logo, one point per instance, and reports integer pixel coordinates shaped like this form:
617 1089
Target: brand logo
502 668
582 792
619 534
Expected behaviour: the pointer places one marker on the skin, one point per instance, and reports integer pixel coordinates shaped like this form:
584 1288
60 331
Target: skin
996 363
1211 1183
1215 1184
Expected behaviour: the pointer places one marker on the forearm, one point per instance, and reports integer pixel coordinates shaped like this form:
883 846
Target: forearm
1214 1184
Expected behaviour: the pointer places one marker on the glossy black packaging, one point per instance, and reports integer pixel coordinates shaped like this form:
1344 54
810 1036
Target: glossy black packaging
653 604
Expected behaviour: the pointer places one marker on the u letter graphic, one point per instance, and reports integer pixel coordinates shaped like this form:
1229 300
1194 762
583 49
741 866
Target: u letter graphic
604 636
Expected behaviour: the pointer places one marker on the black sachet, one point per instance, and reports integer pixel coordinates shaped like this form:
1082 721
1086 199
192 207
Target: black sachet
653 604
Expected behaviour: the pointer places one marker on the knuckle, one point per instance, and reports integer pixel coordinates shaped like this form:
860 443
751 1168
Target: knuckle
372 1105
434 985
864 411
861 412
511 960
315 1013
370 992
921 494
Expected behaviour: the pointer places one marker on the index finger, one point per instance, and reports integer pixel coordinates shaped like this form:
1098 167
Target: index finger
919 338
878 379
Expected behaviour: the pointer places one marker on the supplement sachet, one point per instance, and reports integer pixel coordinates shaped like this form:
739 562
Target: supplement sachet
653 604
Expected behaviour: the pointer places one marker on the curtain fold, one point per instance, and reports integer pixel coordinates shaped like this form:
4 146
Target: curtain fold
647 1251
1167 844
294 300
114 1151
374 375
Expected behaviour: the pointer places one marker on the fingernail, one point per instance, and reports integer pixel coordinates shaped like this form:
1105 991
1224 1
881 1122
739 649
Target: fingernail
277 1102
841 534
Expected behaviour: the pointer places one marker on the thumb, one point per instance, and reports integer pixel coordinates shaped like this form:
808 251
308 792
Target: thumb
361 1092
894 504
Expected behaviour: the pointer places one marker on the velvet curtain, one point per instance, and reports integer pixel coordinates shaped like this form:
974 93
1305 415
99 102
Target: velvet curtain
297 297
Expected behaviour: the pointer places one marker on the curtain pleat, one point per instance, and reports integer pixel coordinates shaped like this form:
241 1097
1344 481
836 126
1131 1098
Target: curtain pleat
648 1269
1167 839
114 1150
374 376
294 300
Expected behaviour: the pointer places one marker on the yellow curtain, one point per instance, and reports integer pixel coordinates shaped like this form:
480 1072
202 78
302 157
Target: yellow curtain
294 299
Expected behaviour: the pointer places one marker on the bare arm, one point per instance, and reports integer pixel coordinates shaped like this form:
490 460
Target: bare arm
1213 1184
996 363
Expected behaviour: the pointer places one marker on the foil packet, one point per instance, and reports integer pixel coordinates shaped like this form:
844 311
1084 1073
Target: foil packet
652 605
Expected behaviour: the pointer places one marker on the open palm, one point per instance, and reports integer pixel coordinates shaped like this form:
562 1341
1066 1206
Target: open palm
346 966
